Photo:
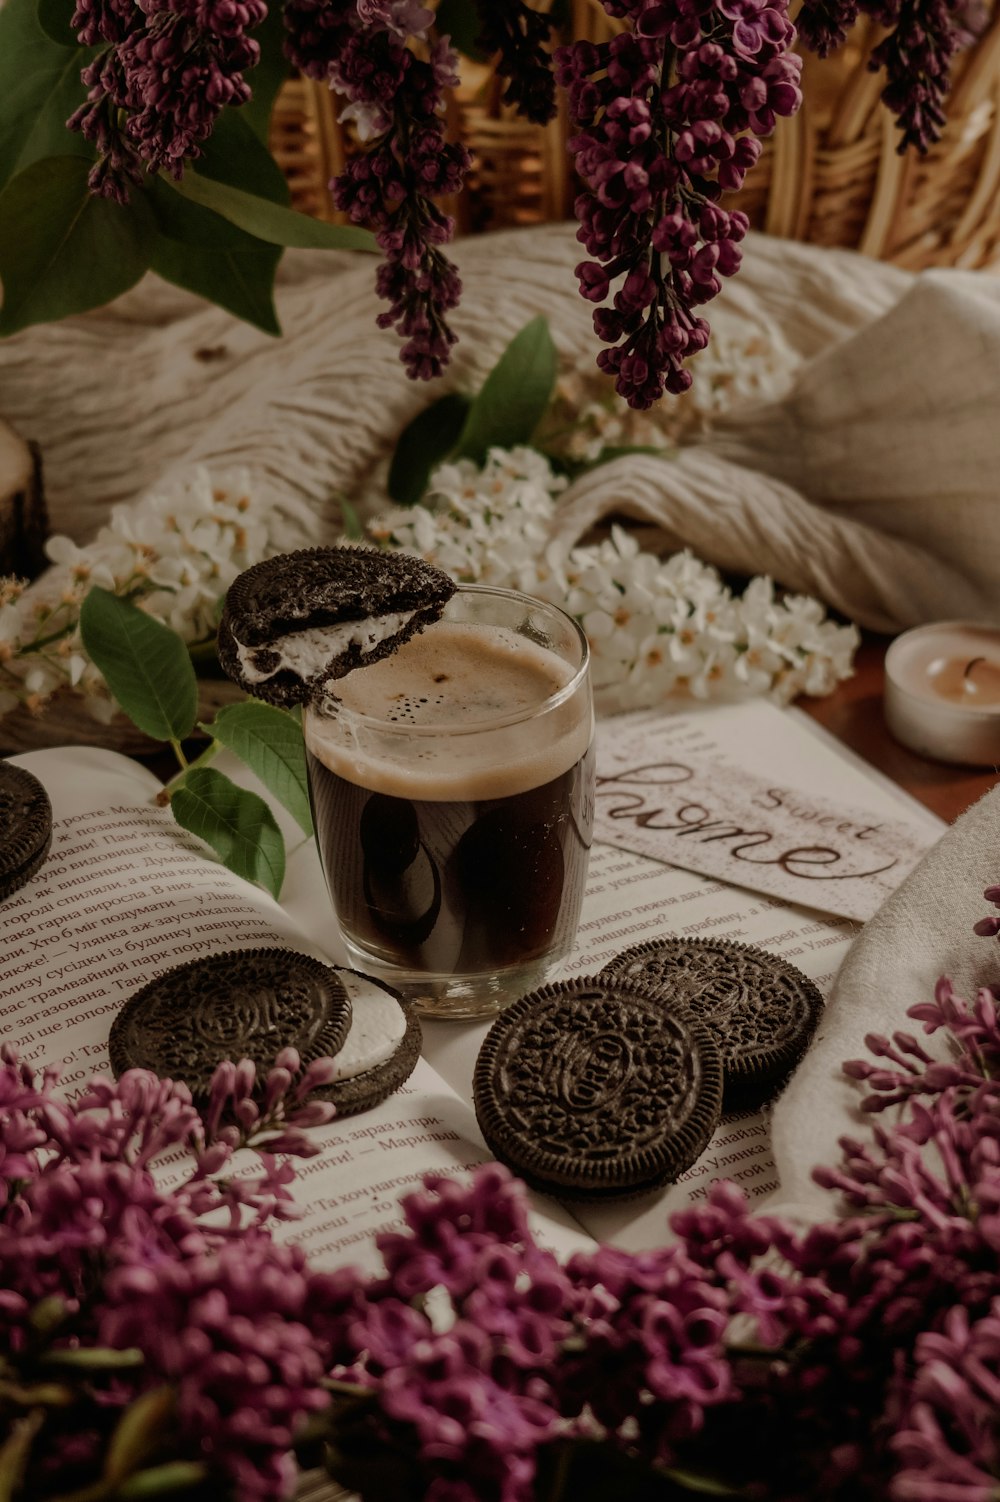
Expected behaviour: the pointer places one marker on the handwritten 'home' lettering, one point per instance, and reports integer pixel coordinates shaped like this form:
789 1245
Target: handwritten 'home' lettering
642 797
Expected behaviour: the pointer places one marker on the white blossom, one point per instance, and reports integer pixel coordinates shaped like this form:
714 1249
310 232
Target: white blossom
658 628
175 551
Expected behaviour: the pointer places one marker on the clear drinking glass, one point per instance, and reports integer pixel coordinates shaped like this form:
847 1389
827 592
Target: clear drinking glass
452 787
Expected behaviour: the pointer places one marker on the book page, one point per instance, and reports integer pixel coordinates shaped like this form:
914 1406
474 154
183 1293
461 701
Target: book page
632 898
125 894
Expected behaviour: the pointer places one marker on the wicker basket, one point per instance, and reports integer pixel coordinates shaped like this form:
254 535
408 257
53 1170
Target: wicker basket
831 175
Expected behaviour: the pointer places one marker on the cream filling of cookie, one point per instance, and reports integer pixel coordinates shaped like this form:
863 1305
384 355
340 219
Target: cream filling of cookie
378 1023
307 653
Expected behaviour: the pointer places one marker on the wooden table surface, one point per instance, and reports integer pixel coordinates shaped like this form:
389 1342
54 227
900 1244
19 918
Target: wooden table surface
853 713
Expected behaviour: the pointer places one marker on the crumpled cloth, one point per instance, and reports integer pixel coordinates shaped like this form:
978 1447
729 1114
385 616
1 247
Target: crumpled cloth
923 931
871 484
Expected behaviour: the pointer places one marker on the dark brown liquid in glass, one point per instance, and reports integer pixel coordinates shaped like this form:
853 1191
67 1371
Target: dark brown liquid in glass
455 887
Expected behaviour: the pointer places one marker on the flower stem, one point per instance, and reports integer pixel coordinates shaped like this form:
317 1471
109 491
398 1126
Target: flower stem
210 752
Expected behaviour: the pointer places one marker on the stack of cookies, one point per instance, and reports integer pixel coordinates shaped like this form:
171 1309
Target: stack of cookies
612 1085
251 1004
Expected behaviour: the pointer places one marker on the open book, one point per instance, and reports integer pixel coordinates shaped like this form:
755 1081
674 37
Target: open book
125 894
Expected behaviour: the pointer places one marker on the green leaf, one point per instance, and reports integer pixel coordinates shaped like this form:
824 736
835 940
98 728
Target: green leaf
137 1433
146 665
241 281
169 1480
514 395
238 825
204 253
93 1359
699 1483
459 19
235 155
39 1394
350 521
15 1453
423 444
48 1314
40 87
270 221
63 250
269 74
55 17
622 450
270 742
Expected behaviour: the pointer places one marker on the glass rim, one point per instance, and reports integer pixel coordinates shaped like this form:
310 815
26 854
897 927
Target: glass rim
341 713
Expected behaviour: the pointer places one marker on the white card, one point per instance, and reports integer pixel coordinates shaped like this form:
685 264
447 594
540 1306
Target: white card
745 794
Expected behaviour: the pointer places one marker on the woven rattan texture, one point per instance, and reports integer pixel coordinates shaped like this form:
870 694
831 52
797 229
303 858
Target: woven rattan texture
830 176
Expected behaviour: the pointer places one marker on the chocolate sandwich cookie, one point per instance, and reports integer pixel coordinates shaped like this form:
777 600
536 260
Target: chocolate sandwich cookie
244 1004
382 1047
761 1011
25 827
593 1089
294 624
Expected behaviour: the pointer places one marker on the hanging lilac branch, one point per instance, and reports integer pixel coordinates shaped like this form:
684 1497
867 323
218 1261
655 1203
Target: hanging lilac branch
155 94
518 34
670 114
916 55
395 100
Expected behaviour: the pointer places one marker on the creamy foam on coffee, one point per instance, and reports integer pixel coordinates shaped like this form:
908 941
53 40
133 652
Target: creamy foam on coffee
455 677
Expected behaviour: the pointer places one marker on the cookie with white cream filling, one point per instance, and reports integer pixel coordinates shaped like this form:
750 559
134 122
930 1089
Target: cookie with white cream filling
294 624
382 1047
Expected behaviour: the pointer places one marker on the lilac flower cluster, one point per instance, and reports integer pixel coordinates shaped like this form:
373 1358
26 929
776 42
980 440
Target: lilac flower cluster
916 54
854 1360
395 99
517 34
669 117
481 1350
156 90
670 113
147 1289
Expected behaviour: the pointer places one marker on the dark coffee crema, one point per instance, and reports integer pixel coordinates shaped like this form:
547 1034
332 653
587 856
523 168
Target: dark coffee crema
452 801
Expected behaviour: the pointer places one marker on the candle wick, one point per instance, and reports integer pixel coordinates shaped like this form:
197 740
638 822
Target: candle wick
974 663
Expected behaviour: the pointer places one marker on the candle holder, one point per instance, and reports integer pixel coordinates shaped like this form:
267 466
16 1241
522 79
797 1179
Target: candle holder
942 692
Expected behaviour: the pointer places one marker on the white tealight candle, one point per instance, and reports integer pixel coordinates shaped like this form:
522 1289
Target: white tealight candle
942 692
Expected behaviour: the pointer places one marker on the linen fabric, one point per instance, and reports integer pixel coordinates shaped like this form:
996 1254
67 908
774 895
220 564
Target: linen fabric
871 483
923 931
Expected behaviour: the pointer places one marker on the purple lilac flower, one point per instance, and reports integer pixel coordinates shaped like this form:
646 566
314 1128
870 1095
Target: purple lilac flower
395 100
480 1349
948 1440
318 31
669 115
228 1328
916 54
653 1325
96 21
96 1251
170 69
989 926
518 34
909 1070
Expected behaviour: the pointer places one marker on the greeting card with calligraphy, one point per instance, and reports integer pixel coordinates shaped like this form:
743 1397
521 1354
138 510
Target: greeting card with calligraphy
745 794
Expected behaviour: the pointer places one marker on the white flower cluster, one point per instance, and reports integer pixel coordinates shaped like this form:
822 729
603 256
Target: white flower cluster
657 628
587 419
174 552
